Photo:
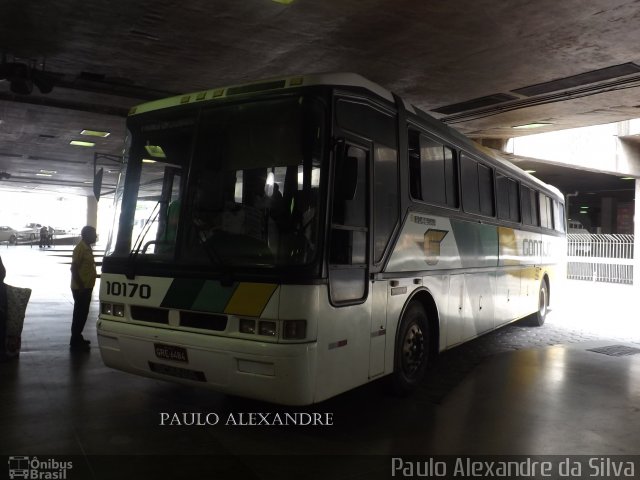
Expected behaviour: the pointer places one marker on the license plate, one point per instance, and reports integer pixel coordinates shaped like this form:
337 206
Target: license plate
171 352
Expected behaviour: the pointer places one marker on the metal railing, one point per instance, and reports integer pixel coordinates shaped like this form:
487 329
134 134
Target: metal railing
600 258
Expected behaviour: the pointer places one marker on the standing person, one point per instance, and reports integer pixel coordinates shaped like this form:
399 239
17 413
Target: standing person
83 279
3 314
50 232
44 232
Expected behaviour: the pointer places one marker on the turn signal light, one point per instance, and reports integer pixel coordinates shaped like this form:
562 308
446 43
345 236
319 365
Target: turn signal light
294 329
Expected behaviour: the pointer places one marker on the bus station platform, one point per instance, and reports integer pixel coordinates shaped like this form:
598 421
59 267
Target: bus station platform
568 388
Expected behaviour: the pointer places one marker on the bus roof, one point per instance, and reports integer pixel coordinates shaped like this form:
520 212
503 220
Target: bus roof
345 79
282 83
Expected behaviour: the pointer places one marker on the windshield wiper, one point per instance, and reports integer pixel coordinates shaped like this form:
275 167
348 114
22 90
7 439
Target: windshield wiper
141 236
209 249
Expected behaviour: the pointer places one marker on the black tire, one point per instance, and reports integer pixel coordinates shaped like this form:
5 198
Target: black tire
13 240
537 319
412 350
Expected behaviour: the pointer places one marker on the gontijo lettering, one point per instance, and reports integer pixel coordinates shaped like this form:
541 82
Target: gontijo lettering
533 248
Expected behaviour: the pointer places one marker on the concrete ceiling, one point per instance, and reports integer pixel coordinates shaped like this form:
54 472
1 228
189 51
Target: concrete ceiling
480 65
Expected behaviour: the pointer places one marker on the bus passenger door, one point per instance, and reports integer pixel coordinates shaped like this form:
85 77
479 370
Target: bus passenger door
350 285
348 266
349 236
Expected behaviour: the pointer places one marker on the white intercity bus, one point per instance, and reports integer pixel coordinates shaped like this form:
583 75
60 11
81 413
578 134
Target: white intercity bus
292 239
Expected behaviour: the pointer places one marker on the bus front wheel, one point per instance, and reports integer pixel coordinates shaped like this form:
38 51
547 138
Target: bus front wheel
412 349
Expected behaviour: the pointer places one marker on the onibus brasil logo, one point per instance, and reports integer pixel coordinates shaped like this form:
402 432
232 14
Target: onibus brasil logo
34 468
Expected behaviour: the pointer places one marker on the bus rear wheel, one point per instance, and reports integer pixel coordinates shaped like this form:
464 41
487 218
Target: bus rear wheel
537 319
412 350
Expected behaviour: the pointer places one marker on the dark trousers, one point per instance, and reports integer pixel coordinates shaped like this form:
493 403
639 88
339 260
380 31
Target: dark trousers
3 319
82 301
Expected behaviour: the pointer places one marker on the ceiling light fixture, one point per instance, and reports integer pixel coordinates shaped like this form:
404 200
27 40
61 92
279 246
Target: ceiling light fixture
43 175
627 178
531 125
530 171
95 133
155 151
148 160
82 144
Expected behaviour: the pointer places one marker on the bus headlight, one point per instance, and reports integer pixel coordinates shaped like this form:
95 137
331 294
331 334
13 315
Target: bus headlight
294 329
115 309
247 326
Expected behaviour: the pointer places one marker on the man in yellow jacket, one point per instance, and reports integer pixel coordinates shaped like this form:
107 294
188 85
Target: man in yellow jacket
83 279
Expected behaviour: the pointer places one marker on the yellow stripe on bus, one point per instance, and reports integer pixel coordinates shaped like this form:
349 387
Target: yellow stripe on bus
508 246
250 299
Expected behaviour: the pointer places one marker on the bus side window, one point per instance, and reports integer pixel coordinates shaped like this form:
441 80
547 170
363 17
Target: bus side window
507 198
349 206
546 215
485 188
529 206
558 216
378 127
477 187
433 175
526 205
470 194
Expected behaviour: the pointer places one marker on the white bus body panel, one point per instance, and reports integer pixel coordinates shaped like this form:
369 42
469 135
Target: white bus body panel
287 373
271 372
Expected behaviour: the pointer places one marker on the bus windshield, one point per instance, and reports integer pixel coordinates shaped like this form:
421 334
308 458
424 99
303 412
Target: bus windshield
230 185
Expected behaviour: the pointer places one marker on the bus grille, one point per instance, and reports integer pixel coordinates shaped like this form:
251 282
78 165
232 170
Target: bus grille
206 321
150 314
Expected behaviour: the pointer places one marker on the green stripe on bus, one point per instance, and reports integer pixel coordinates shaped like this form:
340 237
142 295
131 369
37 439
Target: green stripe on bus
213 297
182 293
477 243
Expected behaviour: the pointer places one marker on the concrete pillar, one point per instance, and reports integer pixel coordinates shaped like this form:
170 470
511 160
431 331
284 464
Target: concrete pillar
608 215
636 238
92 211
495 143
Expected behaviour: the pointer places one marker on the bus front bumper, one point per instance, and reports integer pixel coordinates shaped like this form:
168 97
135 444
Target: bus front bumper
278 373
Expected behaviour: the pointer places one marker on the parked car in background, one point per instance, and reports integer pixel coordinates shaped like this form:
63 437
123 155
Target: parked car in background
30 231
8 234
576 227
579 239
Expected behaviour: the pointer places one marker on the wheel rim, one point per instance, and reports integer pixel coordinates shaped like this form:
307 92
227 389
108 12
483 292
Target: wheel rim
543 302
413 350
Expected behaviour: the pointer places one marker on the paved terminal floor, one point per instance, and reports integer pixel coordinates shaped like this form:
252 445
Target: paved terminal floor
517 391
